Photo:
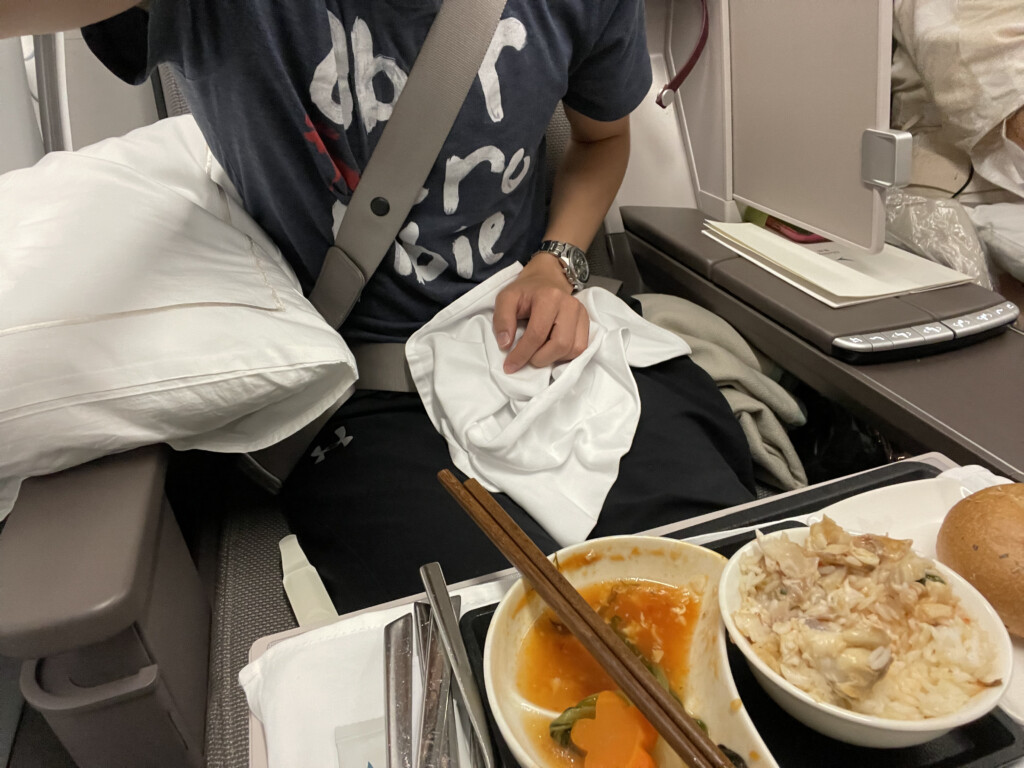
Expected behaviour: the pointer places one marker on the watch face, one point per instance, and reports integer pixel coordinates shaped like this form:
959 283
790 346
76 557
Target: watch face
580 266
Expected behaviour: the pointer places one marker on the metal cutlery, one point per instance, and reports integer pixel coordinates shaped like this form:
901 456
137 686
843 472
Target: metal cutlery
398 692
439 745
465 683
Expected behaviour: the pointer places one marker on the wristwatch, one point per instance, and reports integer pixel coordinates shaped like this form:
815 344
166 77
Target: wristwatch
574 261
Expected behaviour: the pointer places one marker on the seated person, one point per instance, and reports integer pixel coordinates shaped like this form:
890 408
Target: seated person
958 86
292 98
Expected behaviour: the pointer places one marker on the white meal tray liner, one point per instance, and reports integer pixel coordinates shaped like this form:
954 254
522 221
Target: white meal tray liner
306 686
303 687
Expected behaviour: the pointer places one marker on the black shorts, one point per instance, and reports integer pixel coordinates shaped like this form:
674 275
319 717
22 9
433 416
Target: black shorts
368 509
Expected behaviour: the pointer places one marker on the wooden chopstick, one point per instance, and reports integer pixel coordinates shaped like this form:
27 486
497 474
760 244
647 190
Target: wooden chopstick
663 711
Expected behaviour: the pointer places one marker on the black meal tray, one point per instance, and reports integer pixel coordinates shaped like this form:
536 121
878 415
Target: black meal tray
991 742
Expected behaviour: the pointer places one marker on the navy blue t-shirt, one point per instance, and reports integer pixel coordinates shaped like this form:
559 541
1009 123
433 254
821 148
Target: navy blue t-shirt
293 95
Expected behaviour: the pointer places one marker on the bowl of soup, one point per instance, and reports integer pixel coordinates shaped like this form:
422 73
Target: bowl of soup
661 597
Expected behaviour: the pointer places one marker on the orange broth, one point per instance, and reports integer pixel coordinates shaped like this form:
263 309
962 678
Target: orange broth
555 671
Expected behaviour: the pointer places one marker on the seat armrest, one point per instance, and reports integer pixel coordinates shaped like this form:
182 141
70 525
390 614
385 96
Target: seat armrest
77 553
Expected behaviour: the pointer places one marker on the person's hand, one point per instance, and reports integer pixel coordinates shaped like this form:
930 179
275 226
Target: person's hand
558 326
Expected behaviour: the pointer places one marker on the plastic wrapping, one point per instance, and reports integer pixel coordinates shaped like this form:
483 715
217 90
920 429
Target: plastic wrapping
939 230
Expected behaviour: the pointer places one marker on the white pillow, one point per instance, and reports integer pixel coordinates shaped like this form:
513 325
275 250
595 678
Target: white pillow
140 304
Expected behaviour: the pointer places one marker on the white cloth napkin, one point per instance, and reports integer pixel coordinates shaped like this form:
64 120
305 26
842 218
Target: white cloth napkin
306 686
551 438
309 688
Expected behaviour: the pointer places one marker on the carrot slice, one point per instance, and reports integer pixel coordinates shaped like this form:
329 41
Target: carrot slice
619 736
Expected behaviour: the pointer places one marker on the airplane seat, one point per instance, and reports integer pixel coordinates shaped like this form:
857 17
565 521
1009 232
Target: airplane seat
249 602
104 620
101 601
87 536
133 586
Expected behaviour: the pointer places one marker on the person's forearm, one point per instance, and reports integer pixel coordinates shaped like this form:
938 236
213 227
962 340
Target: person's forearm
588 177
585 185
39 17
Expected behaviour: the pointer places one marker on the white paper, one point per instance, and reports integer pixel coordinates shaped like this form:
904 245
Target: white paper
767 266
835 274
361 745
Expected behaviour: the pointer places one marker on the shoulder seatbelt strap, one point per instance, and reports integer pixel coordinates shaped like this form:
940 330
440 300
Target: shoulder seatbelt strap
425 111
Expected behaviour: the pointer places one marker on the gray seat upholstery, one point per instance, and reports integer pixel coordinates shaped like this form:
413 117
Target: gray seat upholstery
248 598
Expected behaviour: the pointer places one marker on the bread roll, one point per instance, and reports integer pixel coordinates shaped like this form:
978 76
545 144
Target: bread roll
982 539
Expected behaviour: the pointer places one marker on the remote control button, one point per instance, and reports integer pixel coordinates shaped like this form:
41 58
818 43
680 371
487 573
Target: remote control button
964 325
933 333
855 343
879 340
1007 310
987 318
905 337
1000 314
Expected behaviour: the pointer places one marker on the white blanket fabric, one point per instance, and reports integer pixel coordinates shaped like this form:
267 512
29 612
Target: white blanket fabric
958 73
1000 227
551 438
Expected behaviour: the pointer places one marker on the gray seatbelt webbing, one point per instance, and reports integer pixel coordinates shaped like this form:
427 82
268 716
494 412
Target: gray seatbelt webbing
382 366
423 115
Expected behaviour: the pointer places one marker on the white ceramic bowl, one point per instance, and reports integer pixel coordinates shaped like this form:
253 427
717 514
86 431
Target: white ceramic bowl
852 727
710 692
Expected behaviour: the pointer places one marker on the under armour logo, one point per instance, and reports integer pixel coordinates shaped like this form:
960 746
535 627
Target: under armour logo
343 439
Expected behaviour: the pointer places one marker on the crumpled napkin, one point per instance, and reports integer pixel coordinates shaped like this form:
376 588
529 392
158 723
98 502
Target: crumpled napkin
551 438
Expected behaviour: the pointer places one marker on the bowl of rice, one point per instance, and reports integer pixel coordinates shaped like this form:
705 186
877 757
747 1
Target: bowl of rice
860 638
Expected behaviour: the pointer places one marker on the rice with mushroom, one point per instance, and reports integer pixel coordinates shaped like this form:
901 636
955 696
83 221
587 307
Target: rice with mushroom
862 622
